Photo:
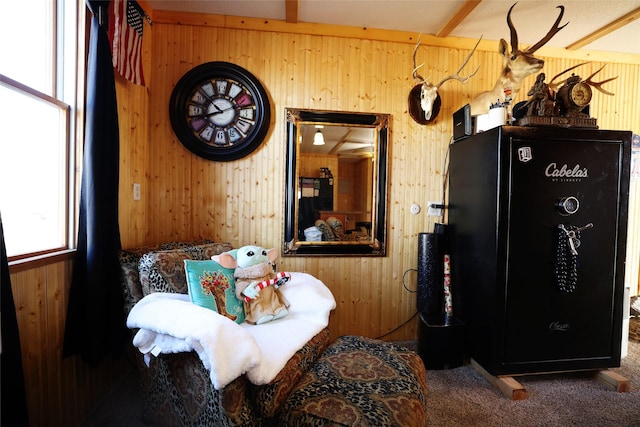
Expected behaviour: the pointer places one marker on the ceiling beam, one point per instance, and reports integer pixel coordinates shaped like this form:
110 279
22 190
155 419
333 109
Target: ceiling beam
607 29
460 15
340 142
291 11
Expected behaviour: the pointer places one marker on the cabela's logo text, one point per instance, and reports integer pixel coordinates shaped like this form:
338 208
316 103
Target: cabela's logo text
565 173
558 327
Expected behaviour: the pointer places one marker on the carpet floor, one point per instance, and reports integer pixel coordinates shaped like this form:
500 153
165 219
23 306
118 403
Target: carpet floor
462 397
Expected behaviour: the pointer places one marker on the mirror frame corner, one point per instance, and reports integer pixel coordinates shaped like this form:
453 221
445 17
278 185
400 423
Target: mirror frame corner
291 246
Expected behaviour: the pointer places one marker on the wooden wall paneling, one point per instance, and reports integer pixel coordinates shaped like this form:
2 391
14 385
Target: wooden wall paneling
133 114
28 293
369 297
199 202
202 203
249 210
222 190
170 162
364 80
325 75
352 62
309 67
326 72
358 313
261 207
132 118
385 311
232 208
162 83
20 288
258 204
270 156
349 56
55 308
59 392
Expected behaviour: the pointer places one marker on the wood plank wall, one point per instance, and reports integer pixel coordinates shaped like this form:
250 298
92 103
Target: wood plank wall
241 201
183 196
60 392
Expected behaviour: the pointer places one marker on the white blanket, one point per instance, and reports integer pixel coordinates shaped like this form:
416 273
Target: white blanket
170 323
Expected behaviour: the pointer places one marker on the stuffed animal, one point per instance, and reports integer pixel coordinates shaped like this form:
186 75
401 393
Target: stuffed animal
257 283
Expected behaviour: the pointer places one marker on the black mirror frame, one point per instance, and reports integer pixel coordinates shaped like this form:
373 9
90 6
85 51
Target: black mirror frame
377 246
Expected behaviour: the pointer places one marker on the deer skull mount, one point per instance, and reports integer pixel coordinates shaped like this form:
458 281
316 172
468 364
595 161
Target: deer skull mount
422 109
424 99
516 66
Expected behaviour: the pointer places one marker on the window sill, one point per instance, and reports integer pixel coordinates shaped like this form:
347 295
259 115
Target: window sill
40 260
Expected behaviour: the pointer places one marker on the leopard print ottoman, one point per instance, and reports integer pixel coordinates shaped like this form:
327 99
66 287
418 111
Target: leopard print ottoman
360 382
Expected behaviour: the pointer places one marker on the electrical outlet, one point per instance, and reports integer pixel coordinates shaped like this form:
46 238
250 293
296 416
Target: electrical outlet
136 191
414 209
433 210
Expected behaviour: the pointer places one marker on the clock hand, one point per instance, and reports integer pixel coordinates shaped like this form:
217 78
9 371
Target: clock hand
219 111
215 113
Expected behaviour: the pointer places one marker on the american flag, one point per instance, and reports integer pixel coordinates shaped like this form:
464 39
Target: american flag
125 35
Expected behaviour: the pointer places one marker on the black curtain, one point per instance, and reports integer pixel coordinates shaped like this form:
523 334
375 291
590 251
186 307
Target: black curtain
95 323
13 387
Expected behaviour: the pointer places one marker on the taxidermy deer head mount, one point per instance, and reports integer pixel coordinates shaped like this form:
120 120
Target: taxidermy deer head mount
429 105
516 66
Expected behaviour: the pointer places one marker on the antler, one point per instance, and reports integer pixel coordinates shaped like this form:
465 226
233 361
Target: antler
552 32
514 33
417 76
555 86
456 75
598 85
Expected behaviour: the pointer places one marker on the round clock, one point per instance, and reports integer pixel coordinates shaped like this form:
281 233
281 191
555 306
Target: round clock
580 94
220 111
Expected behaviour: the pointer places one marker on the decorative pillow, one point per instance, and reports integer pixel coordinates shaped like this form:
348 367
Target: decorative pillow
163 270
213 286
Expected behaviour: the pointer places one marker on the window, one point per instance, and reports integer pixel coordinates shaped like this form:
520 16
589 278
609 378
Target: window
40 43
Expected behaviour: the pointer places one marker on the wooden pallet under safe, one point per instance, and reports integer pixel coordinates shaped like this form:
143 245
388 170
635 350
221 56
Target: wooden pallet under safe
516 391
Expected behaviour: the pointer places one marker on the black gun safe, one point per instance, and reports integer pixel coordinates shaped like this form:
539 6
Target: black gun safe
538 225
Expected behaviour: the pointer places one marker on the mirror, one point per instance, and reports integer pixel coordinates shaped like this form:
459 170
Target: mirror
336 192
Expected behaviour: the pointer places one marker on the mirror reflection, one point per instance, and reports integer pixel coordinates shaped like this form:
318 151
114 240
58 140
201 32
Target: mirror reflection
336 181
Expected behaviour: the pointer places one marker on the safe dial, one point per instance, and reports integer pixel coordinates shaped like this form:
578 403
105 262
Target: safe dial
568 205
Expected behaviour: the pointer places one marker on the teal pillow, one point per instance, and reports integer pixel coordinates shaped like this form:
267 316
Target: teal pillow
212 286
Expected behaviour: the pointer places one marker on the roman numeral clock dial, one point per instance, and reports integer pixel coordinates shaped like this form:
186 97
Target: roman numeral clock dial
220 111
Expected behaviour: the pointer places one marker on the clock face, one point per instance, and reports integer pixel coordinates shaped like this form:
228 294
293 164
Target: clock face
580 94
220 111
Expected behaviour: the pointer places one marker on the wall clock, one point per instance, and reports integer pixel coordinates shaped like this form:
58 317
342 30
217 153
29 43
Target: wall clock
220 111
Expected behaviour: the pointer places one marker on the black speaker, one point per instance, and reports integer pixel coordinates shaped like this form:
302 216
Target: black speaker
429 276
440 342
431 250
462 123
